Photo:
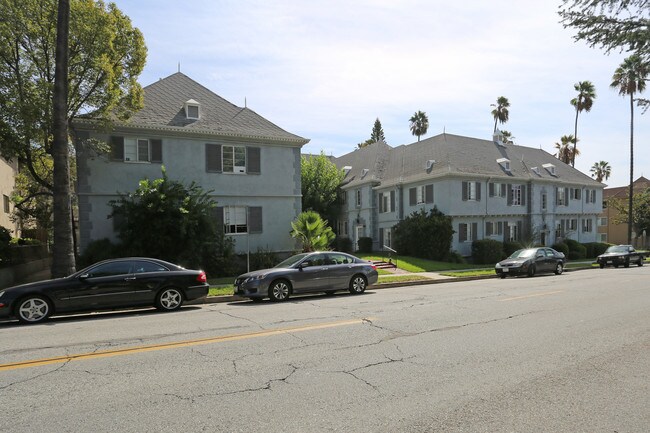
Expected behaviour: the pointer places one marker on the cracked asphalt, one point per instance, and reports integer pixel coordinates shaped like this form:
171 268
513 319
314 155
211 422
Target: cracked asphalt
567 353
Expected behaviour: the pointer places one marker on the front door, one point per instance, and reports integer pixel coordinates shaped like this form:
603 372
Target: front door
359 235
106 285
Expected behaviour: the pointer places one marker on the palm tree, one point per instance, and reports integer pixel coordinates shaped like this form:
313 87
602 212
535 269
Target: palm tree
312 231
601 170
419 123
582 102
63 260
500 113
629 78
507 137
565 150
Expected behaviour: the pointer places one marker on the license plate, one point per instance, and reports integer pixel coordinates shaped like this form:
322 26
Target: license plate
505 270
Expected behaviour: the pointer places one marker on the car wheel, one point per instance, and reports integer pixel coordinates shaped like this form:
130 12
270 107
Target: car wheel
627 263
531 271
640 261
559 268
358 284
169 299
602 265
33 309
279 291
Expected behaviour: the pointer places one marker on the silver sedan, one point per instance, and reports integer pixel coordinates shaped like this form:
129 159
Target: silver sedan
326 271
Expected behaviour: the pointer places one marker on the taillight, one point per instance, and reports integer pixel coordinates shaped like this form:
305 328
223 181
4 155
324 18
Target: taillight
373 267
202 278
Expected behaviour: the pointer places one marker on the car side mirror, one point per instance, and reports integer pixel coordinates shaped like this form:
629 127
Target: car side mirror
83 276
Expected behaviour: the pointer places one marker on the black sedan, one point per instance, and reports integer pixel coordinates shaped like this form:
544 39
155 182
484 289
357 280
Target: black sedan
327 272
620 255
530 261
111 284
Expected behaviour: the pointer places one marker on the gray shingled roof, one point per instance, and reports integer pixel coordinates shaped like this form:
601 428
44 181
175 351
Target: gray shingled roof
164 103
454 155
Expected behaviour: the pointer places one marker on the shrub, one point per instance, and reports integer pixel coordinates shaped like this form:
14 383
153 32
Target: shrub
455 257
510 247
424 235
263 259
365 245
487 251
97 251
576 249
343 244
594 249
561 247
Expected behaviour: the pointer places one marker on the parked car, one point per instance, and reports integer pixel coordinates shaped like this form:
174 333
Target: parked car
531 261
326 271
110 284
618 255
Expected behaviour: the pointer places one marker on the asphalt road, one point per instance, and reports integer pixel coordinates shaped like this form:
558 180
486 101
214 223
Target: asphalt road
567 353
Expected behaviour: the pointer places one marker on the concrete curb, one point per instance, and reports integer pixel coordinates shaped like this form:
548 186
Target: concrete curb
235 298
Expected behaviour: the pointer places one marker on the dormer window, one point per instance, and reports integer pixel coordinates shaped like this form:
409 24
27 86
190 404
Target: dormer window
535 170
192 109
505 163
364 172
346 170
550 168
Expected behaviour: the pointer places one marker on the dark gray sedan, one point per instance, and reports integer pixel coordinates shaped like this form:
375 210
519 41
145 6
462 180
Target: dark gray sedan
531 261
326 271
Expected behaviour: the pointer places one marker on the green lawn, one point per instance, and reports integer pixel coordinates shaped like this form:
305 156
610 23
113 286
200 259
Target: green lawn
414 264
400 278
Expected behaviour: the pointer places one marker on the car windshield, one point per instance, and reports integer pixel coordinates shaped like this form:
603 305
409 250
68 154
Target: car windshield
617 249
522 254
290 261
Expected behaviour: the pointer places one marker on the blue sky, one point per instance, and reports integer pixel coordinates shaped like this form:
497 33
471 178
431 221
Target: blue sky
326 69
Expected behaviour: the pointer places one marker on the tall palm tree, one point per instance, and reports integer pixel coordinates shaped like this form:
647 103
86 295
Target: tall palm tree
601 170
500 113
419 123
582 102
565 150
629 79
63 260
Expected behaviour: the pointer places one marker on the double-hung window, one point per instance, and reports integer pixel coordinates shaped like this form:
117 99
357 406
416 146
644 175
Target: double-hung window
235 219
234 159
587 225
129 149
517 199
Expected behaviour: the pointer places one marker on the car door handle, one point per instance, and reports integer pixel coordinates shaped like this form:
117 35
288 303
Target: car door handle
324 269
129 279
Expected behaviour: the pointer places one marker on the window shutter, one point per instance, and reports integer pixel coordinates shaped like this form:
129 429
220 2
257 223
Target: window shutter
213 158
253 160
500 227
428 192
381 202
491 189
523 195
462 232
474 231
255 219
509 190
381 239
392 201
566 196
503 190
217 213
579 193
156 150
464 195
117 148
412 197
478 191
520 227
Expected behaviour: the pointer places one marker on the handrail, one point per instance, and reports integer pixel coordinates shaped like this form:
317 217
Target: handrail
390 260
389 249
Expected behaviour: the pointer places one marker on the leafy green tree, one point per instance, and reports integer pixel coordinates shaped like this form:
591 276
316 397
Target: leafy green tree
582 102
106 54
601 171
419 124
321 181
376 135
564 149
170 221
640 212
425 235
629 79
500 112
312 232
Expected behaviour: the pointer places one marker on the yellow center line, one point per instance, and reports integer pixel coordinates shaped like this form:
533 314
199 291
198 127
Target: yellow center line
172 345
530 296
